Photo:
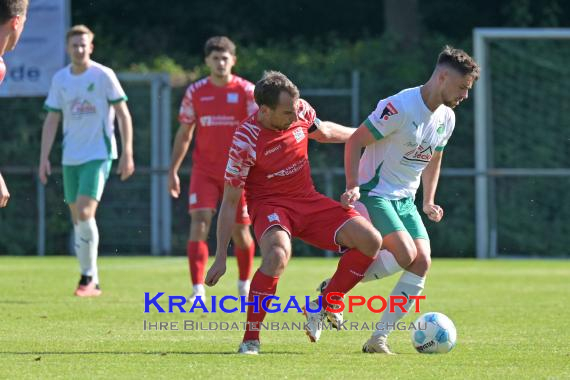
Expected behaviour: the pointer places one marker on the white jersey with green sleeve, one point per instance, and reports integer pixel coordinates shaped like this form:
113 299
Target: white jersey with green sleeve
407 135
85 101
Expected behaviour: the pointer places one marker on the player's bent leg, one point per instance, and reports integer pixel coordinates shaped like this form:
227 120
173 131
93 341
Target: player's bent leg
420 266
275 245
197 250
244 251
358 233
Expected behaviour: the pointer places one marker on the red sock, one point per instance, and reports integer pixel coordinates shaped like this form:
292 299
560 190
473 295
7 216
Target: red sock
262 285
350 270
245 261
197 252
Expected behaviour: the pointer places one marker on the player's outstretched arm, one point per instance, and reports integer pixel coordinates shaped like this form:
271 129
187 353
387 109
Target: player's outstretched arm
49 131
430 177
330 132
182 142
4 194
352 150
226 222
126 162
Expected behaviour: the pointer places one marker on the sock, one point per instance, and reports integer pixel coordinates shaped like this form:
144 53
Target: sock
245 261
350 270
197 252
262 285
384 265
87 246
410 284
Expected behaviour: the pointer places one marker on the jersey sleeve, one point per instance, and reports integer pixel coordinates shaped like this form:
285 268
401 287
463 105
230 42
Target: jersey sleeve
242 155
387 118
53 101
249 99
114 91
306 113
187 114
449 127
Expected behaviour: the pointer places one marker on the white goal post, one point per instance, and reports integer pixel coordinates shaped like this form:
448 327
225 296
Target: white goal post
486 233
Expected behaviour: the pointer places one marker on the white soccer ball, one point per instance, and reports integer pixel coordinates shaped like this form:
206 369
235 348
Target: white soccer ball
434 334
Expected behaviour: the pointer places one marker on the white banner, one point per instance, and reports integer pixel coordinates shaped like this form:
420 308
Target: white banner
40 52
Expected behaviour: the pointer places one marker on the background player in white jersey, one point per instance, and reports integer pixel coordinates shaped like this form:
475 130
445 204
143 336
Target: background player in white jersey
12 20
87 95
404 139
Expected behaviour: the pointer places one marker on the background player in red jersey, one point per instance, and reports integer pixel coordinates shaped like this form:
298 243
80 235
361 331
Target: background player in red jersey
211 110
12 20
269 159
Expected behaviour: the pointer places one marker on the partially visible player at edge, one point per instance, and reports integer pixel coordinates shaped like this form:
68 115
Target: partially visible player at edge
12 20
269 159
212 109
86 95
404 139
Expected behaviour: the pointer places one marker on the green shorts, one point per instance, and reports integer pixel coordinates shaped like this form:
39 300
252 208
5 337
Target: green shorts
391 216
86 179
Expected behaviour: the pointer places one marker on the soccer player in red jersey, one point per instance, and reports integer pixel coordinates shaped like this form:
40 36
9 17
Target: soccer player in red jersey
268 158
12 20
211 110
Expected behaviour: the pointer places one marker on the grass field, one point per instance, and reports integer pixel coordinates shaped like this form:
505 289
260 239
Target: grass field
512 319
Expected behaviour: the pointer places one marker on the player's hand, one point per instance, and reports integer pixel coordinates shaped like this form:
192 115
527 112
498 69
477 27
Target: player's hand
174 184
126 166
44 171
433 212
4 194
217 270
349 197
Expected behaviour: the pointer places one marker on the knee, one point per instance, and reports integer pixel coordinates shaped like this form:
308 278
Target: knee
241 237
199 227
422 263
372 244
406 255
275 261
84 213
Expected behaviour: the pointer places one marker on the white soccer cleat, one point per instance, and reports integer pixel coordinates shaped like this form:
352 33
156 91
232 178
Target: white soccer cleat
314 325
198 290
335 319
243 287
377 345
249 347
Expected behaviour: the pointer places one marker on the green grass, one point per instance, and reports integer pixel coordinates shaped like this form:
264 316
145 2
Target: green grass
512 320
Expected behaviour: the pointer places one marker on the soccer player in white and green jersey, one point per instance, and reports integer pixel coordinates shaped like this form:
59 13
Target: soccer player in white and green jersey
87 95
404 139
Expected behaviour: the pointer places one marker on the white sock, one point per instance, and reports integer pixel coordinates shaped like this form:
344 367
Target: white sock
384 265
410 284
199 289
87 243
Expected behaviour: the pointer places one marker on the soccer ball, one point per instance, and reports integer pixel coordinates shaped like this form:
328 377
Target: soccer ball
434 334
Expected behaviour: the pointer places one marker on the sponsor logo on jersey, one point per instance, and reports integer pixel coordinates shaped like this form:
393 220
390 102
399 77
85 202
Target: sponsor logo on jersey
218 121
440 128
272 150
232 97
299 134
291 169
82 107
388 111
273 218
421 154
207 98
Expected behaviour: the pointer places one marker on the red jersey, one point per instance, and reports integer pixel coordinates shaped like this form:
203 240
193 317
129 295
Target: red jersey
272 164
216 112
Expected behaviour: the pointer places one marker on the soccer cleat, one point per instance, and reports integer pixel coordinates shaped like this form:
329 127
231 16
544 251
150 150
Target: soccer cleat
87 287
249 347
334 318
377 345
243 287
198 290
314 325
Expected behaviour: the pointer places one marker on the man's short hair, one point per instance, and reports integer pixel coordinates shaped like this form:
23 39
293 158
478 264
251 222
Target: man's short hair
270 86
12 8
458 60
219 43
78 30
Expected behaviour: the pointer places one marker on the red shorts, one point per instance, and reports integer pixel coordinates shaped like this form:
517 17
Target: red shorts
206 191
315 220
